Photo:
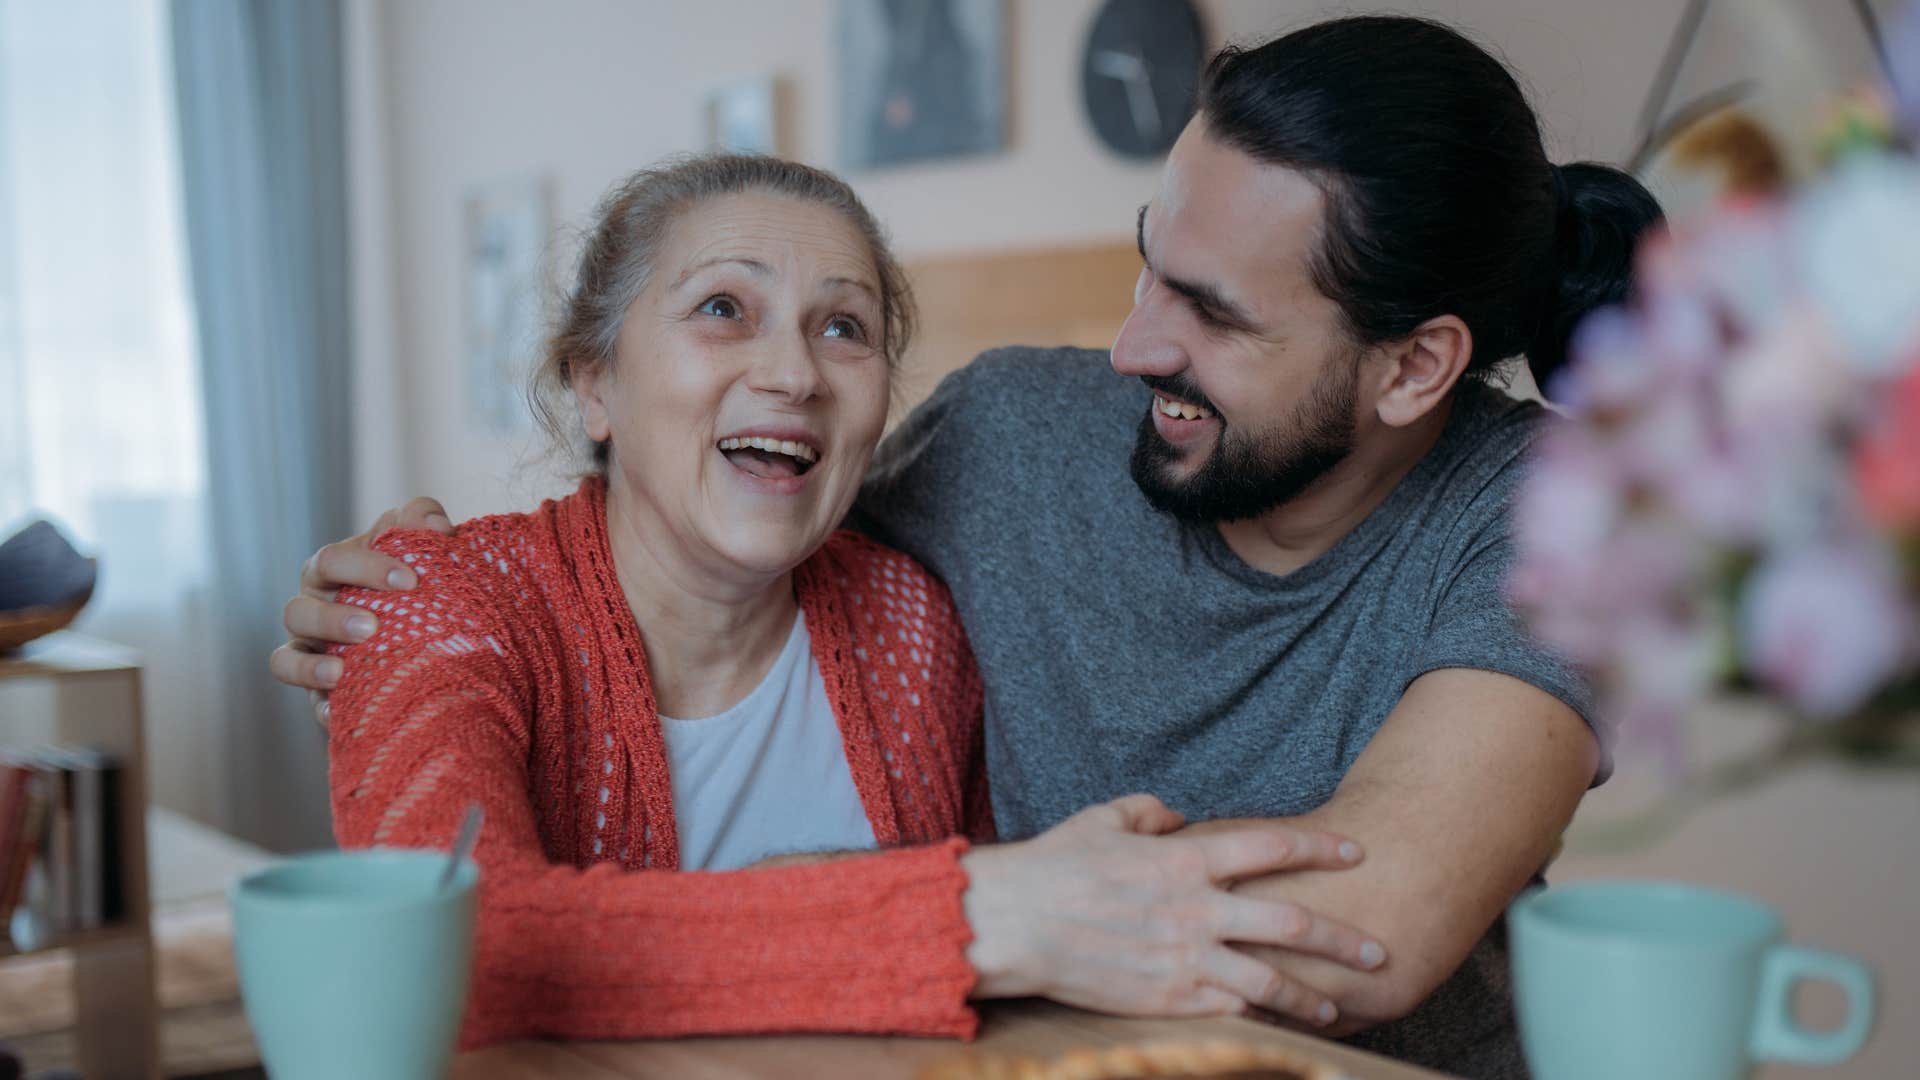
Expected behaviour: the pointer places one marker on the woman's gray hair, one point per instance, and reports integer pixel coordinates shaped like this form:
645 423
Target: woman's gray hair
630 224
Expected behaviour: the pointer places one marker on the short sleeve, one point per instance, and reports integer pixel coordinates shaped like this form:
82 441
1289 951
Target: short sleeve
1475 626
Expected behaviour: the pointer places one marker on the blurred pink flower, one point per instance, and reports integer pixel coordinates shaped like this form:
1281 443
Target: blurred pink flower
1678 448
1886 467
1586 581
1826 625
1655 730
1759 399
1857 235
1736 265
1617 370
1665 666
1792 376
1576 495
1671 660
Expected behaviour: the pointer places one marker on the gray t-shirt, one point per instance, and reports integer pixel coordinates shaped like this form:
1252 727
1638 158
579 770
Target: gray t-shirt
1123 651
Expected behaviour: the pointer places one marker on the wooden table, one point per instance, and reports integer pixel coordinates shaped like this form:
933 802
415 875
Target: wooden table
1014 1029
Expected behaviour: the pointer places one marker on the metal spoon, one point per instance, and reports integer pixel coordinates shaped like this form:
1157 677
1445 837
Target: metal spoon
462 843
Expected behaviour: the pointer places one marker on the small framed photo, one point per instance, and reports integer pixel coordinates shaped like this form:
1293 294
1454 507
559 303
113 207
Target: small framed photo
744 117
920 80
506 227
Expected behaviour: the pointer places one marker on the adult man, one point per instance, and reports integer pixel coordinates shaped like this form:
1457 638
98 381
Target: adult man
1290 605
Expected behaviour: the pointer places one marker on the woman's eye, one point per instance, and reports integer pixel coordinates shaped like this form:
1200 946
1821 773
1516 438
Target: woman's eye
846 326
724 307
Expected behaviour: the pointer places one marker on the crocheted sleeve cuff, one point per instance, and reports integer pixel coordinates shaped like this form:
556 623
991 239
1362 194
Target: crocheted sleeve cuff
873 944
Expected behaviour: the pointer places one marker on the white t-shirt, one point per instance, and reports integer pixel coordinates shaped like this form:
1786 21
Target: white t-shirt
768 776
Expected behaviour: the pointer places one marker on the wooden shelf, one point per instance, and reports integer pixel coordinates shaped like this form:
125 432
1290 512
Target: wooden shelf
71 689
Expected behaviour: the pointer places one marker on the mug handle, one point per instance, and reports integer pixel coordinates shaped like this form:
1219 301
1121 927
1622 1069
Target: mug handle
1778 1037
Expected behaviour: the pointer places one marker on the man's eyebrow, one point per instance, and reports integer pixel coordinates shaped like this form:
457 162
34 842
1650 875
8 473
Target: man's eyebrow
752 266
1218 305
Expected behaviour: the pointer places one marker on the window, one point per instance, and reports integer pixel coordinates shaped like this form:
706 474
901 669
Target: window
100 415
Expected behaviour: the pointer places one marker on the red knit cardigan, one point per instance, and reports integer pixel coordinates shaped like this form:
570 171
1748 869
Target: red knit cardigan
513 676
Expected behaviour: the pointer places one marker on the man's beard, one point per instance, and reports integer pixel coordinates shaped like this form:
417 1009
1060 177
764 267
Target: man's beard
1248 474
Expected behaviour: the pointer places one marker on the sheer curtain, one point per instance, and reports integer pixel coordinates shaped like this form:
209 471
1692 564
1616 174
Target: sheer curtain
100 397
263 168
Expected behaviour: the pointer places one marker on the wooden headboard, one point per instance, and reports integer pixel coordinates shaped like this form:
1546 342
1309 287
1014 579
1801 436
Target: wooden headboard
971 303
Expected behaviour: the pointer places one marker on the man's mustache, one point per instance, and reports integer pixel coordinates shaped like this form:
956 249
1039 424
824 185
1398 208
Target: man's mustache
1181 388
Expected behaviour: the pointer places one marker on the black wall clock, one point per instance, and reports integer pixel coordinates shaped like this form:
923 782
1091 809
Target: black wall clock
1139 73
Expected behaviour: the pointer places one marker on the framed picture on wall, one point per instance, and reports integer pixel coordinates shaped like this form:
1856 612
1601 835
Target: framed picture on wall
920 80
744 117
505 227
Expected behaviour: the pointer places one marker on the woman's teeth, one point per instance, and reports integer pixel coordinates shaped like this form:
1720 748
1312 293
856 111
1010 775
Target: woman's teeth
1180 410
799 451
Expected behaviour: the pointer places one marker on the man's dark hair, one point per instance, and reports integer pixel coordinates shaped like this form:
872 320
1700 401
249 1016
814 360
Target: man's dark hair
1440 198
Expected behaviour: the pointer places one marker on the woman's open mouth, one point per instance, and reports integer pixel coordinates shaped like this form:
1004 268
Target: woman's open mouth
768 458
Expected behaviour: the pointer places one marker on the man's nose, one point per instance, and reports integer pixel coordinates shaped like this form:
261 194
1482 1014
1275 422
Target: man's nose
1148 342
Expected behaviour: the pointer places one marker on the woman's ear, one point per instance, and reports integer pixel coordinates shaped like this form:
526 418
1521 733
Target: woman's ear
589 382
1425 367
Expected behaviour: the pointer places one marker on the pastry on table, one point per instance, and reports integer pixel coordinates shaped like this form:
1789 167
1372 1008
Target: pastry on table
1163 1061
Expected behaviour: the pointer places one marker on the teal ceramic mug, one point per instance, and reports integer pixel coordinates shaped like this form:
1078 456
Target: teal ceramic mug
1629 978
355 963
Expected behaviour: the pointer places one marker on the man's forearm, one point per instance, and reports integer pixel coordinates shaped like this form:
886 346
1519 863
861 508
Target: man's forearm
1381 897
1459 800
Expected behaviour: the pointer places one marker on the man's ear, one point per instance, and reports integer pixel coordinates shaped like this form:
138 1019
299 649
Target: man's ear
589 382
1422 369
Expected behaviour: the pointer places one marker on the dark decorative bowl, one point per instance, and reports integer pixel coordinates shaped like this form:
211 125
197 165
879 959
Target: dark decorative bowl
44 583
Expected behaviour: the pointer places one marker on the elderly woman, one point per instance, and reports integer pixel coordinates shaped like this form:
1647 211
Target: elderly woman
683 667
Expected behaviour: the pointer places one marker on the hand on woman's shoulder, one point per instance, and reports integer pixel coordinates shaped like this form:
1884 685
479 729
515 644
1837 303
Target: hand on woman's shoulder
479 551
468 581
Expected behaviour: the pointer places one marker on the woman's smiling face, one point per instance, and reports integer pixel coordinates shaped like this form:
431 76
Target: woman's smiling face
750 382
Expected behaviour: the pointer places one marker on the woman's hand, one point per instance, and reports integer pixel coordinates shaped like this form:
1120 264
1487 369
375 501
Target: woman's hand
314 621
1105 912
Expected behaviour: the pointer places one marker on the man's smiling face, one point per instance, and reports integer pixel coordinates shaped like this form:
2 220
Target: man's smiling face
1255 381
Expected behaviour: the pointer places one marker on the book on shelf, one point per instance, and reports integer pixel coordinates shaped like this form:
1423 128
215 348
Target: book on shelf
59 843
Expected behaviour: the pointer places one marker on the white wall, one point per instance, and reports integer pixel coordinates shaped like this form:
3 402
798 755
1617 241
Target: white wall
583 91
450 93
